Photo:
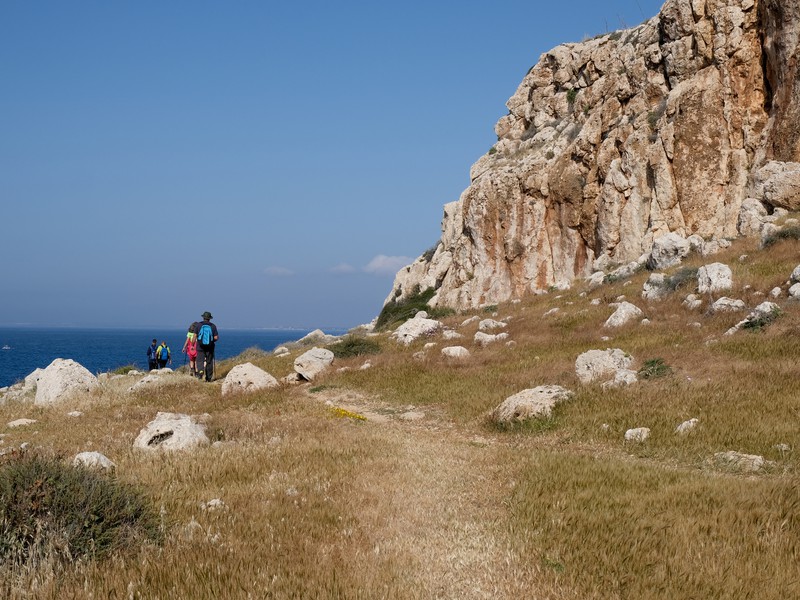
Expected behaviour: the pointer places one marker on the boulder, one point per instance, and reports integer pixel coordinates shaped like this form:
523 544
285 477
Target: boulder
455 352
761 315
310 364
601 365
668 250
484 339
20 423
533 403
778 184
93 460
795 278
741 463
794 291
247 378
61 380
655 288
622 378
449 334
414 329
714 278
640 434
171 431
625 313
490 324
152 379
316 337
687 427
692 302
725 304
751 217
281 351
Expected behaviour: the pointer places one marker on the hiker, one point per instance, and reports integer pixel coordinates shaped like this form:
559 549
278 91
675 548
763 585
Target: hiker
163 355
152 360
206 339
190 347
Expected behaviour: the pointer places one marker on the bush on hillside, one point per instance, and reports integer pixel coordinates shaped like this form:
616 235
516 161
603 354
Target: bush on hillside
53 512
396 312
123 370
654 368
354 346
785 233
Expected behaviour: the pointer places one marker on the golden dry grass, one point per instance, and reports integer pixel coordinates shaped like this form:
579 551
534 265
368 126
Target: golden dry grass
425 498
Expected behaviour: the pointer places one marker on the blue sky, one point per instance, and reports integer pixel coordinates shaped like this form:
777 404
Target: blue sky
273 163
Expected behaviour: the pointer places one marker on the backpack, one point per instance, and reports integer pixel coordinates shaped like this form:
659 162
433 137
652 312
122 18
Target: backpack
206 335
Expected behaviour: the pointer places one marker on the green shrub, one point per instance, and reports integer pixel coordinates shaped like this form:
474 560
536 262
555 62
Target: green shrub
396 312
353 345
654 368
572 94
123 370
681 278
758 323
52 512
786 233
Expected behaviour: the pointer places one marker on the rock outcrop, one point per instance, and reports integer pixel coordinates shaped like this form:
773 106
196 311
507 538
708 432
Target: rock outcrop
62 379
613 143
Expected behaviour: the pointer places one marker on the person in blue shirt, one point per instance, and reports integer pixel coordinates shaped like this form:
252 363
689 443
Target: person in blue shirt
207 337
152 359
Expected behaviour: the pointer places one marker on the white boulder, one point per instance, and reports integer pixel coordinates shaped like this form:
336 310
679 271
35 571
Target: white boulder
625 313
455 352
529 404
714 278
668 250
484 339
310 364
93 460
171 431
62 379
601 365
490 324
794 291
742 463
414 329
20 423
639 434
655 288
687 426
726 304
247 378
796 275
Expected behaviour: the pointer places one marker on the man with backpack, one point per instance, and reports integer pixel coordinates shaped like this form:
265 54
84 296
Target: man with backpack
152 358
163 355
207 337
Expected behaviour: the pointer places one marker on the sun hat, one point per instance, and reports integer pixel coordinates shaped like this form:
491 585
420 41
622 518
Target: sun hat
207 315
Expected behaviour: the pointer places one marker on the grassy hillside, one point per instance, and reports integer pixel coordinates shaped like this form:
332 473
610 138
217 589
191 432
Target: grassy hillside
425 497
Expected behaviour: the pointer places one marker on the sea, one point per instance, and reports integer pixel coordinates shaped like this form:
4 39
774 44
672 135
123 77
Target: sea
24 349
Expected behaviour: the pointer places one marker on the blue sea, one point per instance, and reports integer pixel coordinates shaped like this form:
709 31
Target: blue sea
23 350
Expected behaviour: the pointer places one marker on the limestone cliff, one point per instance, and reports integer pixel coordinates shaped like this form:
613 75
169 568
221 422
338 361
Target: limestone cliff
616 141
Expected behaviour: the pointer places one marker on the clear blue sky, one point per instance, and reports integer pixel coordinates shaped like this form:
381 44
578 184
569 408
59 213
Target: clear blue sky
271 162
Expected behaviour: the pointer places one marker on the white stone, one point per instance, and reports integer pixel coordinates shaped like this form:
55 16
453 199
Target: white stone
317 337
429 345
775 292
737 461
796 275
668 251
490 324
751 217
596 279
365 366
625 313
726 304
714 278
75 414
595 301
537 402
484 339
414 329
449 334
281 351
61 380
692 302
551 312
171 431
687 426
794 291
20 423
247 378
622 378
469 321
655 287
93 460
639 434
455 352
312 363
601 365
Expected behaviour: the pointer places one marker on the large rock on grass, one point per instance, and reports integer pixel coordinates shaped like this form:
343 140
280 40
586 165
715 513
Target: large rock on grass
533 403
247 378
312 363
601 365
171 431
416 328
61 380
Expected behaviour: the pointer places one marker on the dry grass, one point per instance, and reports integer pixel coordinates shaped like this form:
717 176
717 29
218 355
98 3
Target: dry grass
425 498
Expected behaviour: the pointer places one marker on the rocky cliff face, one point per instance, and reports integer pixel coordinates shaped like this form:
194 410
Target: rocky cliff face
614 142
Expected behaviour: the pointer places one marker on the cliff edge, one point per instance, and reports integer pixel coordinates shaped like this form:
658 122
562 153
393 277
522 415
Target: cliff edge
611 143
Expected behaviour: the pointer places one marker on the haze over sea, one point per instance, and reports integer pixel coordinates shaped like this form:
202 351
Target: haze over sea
24 349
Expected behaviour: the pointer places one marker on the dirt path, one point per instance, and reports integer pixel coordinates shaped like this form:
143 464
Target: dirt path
440 502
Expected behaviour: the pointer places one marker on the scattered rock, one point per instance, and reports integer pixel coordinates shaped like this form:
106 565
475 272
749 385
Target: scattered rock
449 334
281 351
622 378
532 403
640 434
668 250
625 313
725 304
742 463
247 378
455 352
692 302
687 426
312 363
763 314
490 324
171 431
61 380
20 423
93 460
414 329
714 278
484 339
655 288
601 365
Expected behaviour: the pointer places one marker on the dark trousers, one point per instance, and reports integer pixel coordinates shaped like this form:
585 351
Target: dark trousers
205 362
152 363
